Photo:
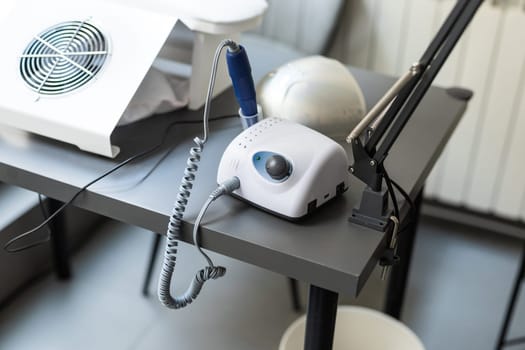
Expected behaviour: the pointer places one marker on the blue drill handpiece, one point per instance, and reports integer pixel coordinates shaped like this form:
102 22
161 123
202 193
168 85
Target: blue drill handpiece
241 76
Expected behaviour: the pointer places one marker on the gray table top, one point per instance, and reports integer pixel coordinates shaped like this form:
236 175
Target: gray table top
324 249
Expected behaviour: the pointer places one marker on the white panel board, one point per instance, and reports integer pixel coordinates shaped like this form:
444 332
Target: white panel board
482 33
420 22
523 207
511 190
359 40
388 30
285 21
497 120
339 45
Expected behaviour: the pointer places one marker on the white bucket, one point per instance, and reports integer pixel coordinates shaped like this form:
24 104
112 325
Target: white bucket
358 328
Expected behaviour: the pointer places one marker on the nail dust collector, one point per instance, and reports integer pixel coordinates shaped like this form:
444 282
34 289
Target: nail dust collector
69 69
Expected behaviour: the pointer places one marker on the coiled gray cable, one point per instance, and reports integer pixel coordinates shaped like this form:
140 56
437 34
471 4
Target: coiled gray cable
175 222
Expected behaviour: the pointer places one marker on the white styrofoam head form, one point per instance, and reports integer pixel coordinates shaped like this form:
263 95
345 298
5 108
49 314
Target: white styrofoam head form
316 91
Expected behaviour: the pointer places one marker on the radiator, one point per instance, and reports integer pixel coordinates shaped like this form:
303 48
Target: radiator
483 166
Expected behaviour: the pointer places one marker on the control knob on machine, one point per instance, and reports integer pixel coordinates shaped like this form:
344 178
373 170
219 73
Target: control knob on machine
277 167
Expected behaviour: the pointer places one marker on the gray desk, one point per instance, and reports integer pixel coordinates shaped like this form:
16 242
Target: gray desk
324 250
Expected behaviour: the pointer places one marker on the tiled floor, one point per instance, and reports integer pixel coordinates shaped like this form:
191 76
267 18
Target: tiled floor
458 289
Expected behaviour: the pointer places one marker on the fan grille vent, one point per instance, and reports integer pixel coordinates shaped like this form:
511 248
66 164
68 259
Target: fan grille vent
63 58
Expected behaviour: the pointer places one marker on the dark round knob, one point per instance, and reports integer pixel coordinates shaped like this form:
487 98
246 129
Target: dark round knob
277 167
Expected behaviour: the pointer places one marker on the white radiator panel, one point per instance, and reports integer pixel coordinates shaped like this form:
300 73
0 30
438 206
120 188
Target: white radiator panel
488 163
477 72
483 166
360 36
388 36
449 75
302 24
510 200
422 14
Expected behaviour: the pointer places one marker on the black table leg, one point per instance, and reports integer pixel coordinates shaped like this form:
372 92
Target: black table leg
510 307
59 246
152 257
399 272
320 319
294 293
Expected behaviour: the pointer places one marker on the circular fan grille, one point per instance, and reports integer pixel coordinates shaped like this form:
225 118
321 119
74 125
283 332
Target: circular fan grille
63 58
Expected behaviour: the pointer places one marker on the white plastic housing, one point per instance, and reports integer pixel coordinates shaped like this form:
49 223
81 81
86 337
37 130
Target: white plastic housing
319 167
87 116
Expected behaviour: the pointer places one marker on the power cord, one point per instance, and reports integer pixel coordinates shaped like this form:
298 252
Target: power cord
390 256
224 188
174 226
44 213
407 198
209 272
48 218
391 192
390 183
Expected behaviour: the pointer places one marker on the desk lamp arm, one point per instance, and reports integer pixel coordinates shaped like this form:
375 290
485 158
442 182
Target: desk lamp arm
388 117
364 163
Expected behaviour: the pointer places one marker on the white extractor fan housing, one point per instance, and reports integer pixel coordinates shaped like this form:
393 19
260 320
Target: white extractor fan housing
69 69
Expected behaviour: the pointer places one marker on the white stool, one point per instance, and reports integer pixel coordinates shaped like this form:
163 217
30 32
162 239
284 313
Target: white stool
358 328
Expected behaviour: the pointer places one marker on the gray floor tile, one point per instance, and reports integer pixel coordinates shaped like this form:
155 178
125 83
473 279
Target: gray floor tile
459 285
